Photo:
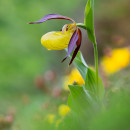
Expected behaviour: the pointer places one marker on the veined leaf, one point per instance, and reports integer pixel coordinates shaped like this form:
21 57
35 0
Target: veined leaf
89 20
79 99
85 99
89 77
90 85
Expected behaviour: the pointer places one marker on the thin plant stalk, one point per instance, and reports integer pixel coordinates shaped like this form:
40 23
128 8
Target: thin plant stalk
95 51
96 61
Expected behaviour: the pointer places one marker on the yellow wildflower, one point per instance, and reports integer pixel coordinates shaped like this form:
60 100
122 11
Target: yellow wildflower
63 110
73 77
119 59
50 118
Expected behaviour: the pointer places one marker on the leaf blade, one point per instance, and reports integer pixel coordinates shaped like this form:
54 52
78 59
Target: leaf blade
89 20
90 85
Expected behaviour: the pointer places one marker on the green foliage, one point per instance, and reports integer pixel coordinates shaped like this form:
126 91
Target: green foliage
84 98
89 77
79 99
116 116
90 85
89 20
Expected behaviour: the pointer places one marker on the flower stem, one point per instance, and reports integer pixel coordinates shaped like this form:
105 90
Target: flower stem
96 61
81 25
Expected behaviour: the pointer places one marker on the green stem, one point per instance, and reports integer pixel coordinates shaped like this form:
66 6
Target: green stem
81 25
96 61
95 51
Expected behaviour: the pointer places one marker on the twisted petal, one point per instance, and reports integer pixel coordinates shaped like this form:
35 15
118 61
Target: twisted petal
78 46
56 40
72 43
52 16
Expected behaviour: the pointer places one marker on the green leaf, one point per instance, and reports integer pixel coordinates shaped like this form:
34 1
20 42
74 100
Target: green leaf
89 77
79 99
90 85
89 20
81 65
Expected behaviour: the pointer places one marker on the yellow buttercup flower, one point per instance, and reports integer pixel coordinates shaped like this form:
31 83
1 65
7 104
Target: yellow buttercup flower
63 110
73 78
119 59
50 118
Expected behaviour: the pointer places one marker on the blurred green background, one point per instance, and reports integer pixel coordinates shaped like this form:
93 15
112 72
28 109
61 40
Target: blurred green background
22 58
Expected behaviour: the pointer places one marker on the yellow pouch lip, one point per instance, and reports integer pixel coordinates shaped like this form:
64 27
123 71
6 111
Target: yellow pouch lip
56 40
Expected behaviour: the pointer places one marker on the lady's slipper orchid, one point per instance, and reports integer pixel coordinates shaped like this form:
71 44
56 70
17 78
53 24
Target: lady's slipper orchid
70 36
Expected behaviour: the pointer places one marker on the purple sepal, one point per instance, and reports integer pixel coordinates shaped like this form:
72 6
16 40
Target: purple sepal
75 53
52 16
78 43
72 43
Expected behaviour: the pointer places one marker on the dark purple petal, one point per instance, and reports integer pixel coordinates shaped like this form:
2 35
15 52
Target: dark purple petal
78 43
75 53
52 16
72 43
80 37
